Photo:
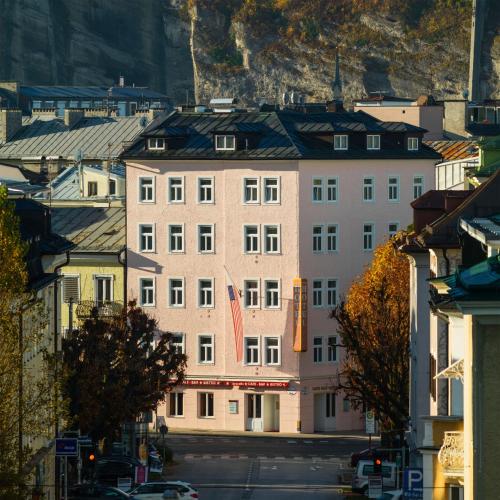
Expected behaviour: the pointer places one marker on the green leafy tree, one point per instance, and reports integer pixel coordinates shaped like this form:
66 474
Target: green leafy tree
117 369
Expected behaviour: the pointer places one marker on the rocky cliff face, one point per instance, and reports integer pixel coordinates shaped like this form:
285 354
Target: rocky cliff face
253 49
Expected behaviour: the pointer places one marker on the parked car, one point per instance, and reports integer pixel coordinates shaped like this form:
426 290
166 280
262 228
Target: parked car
365 469
367 455
109 469
96 492
155 490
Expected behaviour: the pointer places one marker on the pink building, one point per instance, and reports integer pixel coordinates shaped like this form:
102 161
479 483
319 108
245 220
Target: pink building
255 200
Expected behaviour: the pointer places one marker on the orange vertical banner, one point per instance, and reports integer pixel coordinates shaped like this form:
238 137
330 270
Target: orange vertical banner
299 315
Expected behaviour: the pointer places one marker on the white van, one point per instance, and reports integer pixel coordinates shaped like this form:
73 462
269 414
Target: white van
365 469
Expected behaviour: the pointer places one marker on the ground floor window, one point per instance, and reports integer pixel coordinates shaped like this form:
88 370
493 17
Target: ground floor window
176 404
330 404
206 404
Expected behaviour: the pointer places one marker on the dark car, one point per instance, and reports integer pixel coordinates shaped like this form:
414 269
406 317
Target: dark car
96 492
367 455
109 469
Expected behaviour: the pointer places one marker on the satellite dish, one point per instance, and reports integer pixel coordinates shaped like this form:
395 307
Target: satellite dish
465 93
143 121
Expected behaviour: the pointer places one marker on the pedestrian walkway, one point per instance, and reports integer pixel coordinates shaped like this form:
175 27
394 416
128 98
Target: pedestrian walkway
300 458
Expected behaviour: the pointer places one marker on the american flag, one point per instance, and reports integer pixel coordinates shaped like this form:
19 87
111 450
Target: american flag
237 320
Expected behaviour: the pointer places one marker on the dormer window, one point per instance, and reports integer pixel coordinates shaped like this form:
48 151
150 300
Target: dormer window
156 143
412 143
340 142
372 142
225 143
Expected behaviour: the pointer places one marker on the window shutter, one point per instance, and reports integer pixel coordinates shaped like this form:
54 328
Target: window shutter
71 289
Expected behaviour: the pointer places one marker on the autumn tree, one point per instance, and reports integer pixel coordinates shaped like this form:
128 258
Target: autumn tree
373 324
116 369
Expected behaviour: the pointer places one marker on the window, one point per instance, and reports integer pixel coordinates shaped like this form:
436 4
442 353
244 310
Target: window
317 239
146 190
205 190
156 143
432 374
418 186
318 349
412 143
147 290
146 238
317 190
340 142
252 351
206 239
271 239
393 189
206 349
112 187
272 298
317 293
331 237
332 189
176 404
71 288
331 292
177 343
91 188
330 404
206 404
346 405
176 238
368 236
176 189
251 293
206 292
368 189
103 289
272 350
176 292
251 190
251 237
225 143
372 142
271 190
332 349
393 228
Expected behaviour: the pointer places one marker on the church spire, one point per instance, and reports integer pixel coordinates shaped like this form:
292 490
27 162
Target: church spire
337 83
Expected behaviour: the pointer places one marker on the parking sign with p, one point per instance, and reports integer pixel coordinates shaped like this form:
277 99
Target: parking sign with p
413 483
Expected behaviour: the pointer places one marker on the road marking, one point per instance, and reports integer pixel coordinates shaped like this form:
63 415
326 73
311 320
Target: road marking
291 442
324 442
261 458
308 442
279 458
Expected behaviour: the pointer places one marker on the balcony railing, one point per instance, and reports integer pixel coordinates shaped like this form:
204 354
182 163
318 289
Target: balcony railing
89 308
451 454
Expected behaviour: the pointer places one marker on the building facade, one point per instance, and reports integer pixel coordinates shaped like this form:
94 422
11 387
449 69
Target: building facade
286 207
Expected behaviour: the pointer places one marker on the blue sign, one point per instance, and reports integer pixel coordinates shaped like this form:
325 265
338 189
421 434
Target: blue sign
413 483
66 447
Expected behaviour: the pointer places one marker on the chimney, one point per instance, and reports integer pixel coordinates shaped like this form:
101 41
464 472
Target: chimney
11 120
122 81
106 165
72 117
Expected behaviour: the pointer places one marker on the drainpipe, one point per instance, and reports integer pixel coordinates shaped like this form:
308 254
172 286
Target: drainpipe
447 260
122 259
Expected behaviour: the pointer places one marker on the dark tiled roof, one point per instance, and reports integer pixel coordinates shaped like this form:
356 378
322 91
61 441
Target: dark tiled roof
436 199
102 92
453 150
483 129
276 135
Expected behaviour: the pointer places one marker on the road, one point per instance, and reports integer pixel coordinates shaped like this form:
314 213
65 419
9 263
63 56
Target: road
254 468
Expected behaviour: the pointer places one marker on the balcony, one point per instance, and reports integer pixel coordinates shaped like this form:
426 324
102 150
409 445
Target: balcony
451 454
89 308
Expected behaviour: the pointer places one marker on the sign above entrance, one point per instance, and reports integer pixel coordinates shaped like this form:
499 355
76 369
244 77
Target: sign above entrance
237 383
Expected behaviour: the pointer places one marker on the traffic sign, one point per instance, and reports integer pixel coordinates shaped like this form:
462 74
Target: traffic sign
66 447
370 422
413 483
375 488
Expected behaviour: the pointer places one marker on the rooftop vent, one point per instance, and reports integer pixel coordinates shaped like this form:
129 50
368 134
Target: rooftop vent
223 104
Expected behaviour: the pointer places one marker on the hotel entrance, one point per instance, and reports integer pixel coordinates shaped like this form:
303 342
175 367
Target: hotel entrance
263 412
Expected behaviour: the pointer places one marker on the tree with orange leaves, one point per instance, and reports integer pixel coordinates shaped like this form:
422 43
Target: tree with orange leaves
373 323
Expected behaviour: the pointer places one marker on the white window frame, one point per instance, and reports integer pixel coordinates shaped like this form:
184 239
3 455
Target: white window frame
211 201
366 233
207 397
257 191
245 281
211 346
210 305
157 143
365 186
254 349
318 348
182 188
375 138
328 236
392 233
173 412
335 188
322 293
225 146
212 237
339 140
278 190
329 350
413 143
182 238
329 289
153 237
153 190
265 228
320 238
278 291
183 290
273 348
321 189
420 185
141 279
181 344
257 246
392 185
112 285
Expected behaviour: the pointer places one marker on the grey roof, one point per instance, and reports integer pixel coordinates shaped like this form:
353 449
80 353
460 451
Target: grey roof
102 92
91 229
97 137
484 229
20 188
283 134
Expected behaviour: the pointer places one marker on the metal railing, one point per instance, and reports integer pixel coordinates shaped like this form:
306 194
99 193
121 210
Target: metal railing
451 454
89 308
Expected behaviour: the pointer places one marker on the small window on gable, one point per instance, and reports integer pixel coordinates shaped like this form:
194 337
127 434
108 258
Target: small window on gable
225 143
412 143
156 143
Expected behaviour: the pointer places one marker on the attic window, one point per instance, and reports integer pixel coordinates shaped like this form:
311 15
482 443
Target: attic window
372 142
412 143
156 143
225 143
340 142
